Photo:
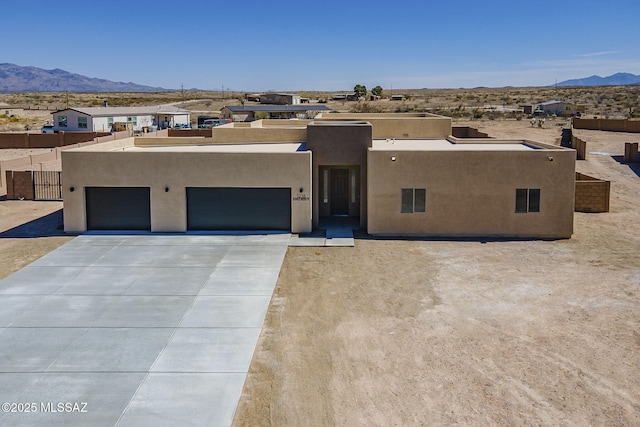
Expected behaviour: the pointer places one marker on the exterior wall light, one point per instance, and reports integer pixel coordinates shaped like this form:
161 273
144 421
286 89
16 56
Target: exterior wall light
550 158
166 189
72 189
393 158
301 189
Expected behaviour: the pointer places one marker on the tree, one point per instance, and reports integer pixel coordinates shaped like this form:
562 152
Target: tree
360 90
377 91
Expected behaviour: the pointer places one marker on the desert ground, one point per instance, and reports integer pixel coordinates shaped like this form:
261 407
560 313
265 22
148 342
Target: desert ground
418 331
400 332
476 104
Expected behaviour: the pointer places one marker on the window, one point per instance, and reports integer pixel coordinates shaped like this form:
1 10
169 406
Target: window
414 200
62 121
325 186
527 200
110 121
82 122
353 185
133 120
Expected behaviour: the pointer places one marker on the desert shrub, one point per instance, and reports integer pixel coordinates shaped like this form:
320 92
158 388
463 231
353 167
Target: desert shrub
365 107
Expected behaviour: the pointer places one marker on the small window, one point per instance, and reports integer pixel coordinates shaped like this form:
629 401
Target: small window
133 120
325 186
62 121
527 200
82 122
109 121
407 200
419 200
414 200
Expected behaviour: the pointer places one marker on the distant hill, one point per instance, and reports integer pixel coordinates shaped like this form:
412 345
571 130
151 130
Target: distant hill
14 78
619 79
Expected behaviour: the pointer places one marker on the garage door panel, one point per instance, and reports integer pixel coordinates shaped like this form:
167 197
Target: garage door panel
225 208
118 208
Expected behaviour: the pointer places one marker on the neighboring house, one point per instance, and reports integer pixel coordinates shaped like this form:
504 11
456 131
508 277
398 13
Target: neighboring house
249 113
559 108
344 97
8 110
527 109
398 174
102 119
280 98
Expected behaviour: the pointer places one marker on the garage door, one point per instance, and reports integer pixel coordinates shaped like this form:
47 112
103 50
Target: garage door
118 208
238 208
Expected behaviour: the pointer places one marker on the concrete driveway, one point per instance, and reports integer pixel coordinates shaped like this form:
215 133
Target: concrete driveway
135 330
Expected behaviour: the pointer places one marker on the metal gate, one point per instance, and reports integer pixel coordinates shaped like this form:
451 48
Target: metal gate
47 185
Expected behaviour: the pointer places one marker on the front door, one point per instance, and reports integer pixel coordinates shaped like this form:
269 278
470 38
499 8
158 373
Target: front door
339 191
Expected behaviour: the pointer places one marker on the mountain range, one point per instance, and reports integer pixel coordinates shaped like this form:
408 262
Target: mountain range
14 78
618 79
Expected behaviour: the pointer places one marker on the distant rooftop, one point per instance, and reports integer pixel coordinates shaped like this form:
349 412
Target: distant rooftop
551 102
445 145
126 111
277 108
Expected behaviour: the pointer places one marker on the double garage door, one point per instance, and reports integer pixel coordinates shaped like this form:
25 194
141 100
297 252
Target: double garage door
208 208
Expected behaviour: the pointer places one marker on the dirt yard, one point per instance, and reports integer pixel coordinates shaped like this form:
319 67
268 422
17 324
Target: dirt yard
28 230
401 332
398 332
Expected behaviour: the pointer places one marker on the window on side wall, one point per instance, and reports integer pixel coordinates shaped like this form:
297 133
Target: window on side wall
414 200
527 200
133 120
62 121
82 122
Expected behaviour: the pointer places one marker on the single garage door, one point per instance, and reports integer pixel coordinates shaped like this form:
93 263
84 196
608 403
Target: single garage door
224 208
118 208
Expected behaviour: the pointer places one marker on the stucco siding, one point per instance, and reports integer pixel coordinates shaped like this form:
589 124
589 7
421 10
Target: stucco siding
472 193
177 171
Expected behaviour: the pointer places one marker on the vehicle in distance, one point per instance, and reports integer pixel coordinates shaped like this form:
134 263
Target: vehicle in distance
211 123
47 129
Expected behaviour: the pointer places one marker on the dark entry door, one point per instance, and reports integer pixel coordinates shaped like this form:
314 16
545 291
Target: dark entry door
339 191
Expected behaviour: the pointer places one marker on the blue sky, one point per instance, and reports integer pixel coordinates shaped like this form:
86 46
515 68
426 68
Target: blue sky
325 44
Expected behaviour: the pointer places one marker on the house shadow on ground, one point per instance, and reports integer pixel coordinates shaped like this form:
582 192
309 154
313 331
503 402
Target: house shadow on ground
635 167
46 226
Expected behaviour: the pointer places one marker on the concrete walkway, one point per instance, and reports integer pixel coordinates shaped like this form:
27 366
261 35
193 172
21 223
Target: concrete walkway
135 330
332 232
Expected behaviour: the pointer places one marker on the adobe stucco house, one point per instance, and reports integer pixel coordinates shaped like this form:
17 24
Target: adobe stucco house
101 119
250 113
400 174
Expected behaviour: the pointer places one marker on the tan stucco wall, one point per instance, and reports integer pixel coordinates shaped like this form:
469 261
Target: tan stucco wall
233 135
339 144
398 125
178 170
472 193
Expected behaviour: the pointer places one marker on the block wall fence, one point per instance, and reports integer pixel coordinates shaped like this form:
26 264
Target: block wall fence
592 194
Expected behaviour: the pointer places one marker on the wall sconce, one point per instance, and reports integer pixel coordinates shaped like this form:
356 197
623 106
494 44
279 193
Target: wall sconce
72 189
550 158
301 189
166 189
393 158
